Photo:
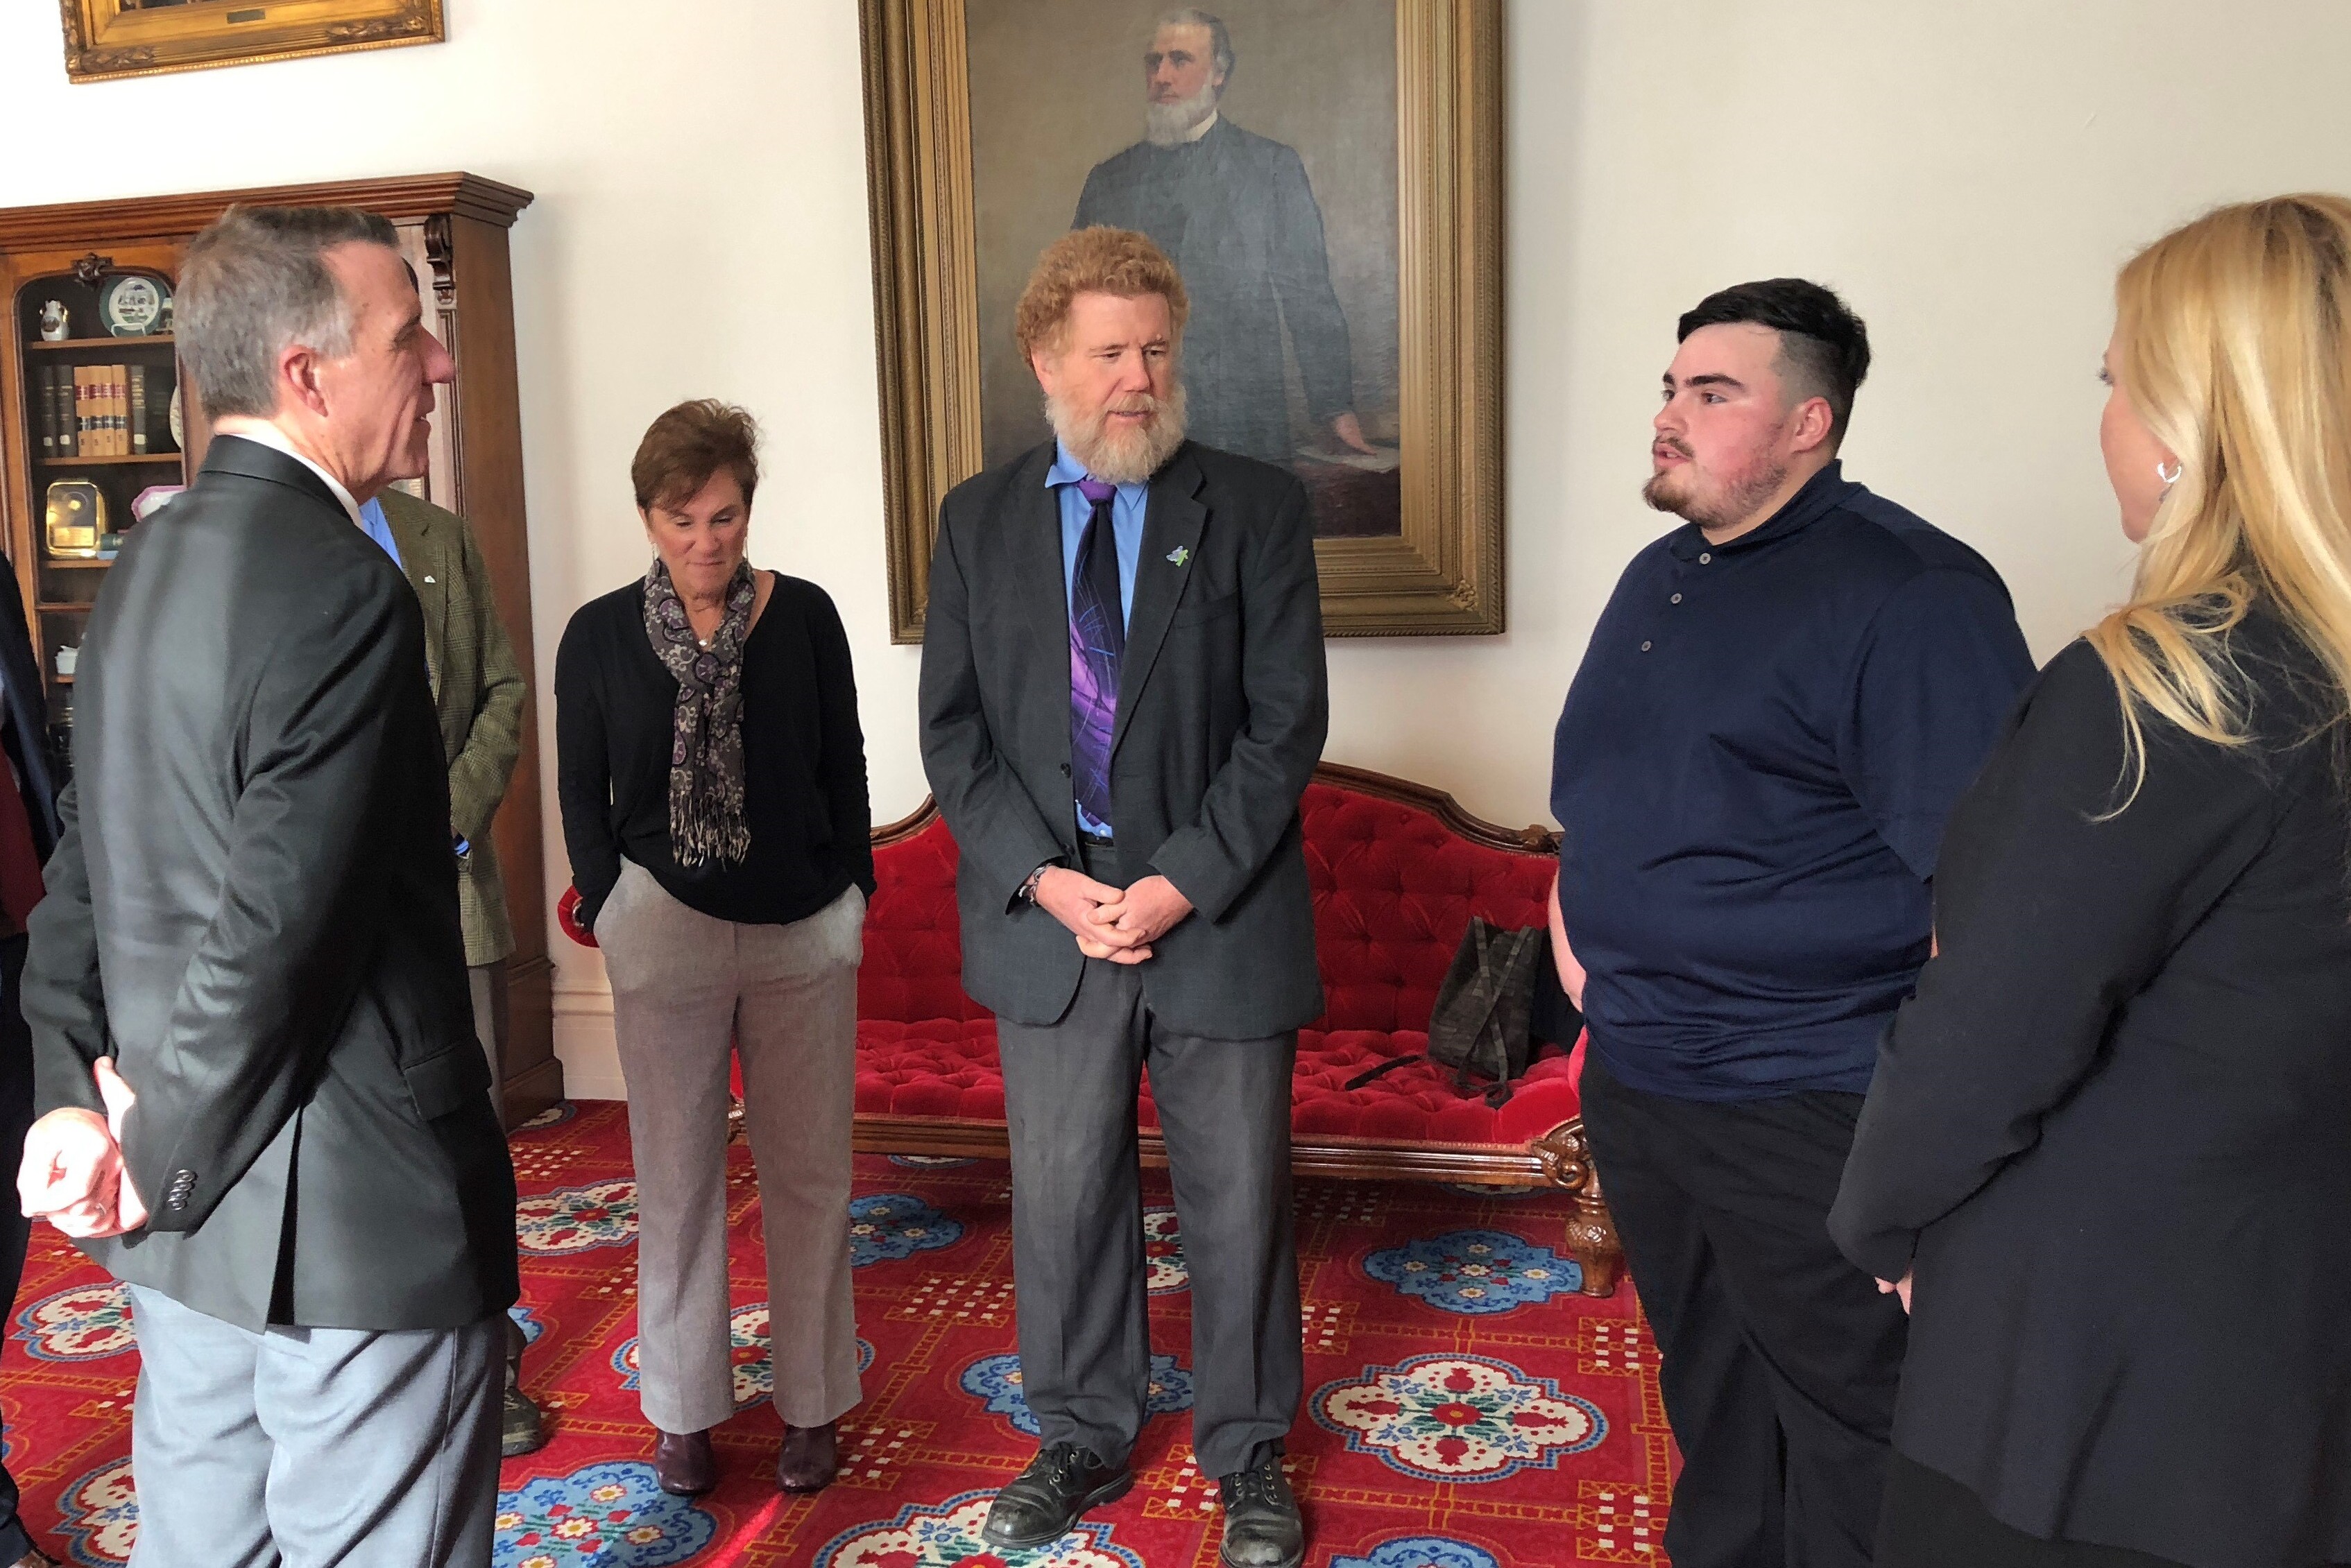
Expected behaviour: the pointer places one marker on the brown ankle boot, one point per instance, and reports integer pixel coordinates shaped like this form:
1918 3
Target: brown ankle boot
812 1457
683 1464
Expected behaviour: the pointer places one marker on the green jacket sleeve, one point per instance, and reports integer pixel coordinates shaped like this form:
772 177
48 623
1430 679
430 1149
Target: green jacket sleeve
479 773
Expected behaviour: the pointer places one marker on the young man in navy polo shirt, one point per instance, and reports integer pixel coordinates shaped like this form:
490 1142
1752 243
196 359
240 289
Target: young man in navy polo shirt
1779 705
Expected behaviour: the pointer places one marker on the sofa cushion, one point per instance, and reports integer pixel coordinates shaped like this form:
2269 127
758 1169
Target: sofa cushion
946 1068
1394 890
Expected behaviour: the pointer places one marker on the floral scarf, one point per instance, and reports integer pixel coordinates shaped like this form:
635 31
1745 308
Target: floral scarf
705 756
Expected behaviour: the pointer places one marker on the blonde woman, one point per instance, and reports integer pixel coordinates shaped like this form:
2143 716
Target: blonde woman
2110 1137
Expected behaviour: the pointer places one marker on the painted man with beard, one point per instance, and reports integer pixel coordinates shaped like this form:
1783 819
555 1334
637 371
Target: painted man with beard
1777 710
1122 700
1236 213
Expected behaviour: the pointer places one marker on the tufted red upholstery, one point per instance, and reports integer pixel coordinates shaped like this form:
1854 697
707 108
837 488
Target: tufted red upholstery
1394 890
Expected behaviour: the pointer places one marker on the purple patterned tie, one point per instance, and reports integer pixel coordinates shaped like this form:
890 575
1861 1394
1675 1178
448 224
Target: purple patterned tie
1097 642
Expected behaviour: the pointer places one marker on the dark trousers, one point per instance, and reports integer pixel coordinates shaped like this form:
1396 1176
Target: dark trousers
16 1230
1078 1262
1779 1359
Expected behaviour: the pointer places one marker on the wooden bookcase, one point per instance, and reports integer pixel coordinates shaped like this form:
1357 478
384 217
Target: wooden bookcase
453 229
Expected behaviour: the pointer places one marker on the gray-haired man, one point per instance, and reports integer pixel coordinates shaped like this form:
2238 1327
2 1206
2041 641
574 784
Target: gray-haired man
267 1113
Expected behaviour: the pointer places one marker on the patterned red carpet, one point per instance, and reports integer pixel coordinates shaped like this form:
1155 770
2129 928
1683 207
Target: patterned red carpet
1466 1408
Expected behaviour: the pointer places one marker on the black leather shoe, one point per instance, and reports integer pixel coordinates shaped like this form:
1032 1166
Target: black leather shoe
522 1429
1262 1525
1045 1501
683 1464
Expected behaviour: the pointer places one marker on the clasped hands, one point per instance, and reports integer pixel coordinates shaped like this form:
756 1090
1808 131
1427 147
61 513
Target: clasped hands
73 1174
1108 923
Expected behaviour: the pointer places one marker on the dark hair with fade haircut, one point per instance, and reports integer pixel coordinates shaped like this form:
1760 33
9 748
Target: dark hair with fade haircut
255 280
1823 346
687 444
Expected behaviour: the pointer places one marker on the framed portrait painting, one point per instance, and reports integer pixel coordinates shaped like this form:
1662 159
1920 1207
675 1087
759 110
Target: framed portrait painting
1326 176
109 38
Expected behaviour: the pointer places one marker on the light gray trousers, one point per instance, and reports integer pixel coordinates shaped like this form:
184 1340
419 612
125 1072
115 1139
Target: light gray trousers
682 982
337 1447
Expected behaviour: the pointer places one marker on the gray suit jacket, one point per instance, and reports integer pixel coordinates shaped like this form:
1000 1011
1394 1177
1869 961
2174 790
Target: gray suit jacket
1221 714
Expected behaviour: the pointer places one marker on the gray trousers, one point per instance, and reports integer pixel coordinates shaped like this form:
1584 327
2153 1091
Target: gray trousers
313 1445
682 982
1078 1262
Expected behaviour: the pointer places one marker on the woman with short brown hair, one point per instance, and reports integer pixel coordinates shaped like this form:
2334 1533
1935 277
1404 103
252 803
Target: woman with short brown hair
712 777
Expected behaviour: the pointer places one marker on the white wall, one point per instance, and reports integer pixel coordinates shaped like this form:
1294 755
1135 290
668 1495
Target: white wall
1969 174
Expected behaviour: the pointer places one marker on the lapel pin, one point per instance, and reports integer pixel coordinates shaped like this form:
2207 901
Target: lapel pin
1180 554
428 577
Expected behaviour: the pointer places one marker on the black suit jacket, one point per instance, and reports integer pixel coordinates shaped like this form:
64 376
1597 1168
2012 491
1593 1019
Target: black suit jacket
1236 214
1221 713
253 909
2112 1131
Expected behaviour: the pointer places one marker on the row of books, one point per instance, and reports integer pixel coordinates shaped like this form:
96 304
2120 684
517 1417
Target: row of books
94 411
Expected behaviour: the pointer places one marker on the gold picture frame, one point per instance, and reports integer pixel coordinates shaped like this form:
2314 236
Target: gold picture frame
1439 573
109 38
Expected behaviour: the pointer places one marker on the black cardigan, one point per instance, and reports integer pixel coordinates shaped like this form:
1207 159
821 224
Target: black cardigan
804 789
2113 1132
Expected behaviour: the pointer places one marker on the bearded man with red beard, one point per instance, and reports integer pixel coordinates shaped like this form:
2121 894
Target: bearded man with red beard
1122 700
1779 705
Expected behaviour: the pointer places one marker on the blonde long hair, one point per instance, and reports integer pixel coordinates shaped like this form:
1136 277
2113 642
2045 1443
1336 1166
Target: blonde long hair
2234 336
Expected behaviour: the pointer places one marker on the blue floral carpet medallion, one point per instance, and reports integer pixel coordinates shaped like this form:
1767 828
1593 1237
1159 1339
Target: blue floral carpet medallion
755 1368
99 1515
1457 1417
946 1536
1420 1552
1476 1271
609 1515
1162 1252
87 1322
577 1219
889 1226
995 1381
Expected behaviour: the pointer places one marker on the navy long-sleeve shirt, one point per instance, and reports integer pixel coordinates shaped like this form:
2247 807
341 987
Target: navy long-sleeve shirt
1753 771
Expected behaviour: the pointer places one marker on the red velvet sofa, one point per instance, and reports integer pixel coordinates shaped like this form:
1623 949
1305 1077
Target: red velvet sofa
1398 871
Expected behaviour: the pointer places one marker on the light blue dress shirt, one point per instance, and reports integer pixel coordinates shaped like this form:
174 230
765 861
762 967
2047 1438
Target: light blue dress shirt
1126 527
378 527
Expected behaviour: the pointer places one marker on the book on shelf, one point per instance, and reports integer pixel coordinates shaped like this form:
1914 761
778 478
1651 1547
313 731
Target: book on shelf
61 402
117 410
46 396
138 410
83 446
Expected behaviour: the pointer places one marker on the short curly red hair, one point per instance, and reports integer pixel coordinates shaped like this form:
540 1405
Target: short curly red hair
1094 261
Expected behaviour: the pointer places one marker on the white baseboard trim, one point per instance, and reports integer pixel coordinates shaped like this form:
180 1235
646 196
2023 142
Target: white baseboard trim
583 1043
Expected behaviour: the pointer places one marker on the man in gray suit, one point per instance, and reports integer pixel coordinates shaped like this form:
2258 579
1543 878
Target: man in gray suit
1123 699
1236 213
265 1110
